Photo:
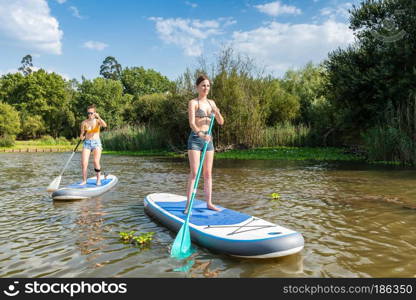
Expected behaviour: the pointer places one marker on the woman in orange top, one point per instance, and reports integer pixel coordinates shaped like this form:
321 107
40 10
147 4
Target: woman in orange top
90 134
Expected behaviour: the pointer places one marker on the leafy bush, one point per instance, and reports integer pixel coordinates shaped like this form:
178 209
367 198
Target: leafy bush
47 140
7 141
9 120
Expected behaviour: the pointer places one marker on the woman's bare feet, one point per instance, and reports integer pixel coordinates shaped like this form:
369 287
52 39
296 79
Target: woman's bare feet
212 207
98 182
83 183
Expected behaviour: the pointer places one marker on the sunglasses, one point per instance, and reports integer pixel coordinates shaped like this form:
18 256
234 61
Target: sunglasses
90 113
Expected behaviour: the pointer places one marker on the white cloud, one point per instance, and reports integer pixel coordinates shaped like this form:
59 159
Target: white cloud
94 45
189 34
227 21
30 23
193 5
276 8
75 12
337 13
63 75
8 71
282 46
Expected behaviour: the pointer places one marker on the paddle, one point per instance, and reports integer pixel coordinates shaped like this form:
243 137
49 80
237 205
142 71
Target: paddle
54 185
181 247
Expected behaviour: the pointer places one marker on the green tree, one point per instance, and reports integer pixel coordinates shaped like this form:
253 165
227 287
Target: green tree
27 65
40 94
108 97
283 106
372 83
110 68
147 109
139 81
308 84
9 124
33 126
239 97
9 86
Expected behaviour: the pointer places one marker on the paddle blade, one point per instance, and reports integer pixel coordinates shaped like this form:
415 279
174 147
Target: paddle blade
181 247
54 185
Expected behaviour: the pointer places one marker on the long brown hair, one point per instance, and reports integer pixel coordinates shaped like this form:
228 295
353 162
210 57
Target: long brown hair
202 78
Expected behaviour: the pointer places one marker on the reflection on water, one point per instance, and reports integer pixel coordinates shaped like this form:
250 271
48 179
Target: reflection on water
357 220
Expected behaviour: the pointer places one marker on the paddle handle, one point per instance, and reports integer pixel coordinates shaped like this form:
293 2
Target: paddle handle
198 174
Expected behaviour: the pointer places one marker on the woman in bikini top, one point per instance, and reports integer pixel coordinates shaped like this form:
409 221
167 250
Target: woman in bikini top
199 113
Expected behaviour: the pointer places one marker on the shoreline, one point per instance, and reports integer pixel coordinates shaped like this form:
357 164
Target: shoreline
272 153
36 146
266 153
45 149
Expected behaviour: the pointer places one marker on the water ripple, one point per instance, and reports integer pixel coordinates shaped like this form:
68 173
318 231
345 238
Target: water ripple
353 218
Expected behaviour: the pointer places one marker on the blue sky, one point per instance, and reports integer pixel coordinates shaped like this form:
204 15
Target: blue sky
72 37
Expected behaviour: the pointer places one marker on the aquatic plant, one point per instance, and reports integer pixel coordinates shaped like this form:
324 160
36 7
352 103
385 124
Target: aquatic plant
141 240
275 196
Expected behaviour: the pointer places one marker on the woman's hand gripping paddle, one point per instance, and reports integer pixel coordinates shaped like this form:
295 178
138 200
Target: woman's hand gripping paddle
181 247
54 185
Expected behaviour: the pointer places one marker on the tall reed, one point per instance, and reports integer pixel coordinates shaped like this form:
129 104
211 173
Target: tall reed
394 139
285 134
134 138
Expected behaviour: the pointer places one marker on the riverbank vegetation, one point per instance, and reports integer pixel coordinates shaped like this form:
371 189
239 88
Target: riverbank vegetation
362 97
46 142
272 153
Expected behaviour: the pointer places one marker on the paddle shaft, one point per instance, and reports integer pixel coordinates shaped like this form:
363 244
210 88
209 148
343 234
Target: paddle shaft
72 155
183 237
198 174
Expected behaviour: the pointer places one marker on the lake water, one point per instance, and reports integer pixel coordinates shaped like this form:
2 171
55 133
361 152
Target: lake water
357 220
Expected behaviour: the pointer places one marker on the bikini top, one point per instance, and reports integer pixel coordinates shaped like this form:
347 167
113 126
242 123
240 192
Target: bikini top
200 113
95 129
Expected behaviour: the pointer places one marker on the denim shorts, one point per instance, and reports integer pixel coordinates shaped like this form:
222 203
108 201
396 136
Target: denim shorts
197 143
92 144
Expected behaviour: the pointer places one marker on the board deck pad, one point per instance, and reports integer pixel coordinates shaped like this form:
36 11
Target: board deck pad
91 183
202 216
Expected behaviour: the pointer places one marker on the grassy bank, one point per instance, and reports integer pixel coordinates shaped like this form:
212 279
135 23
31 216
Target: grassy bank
262 153
38 144
144 153
273 153
290 153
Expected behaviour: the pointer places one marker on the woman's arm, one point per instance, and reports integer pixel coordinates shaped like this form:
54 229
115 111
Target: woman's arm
82 134
102 122
191 117
218 116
